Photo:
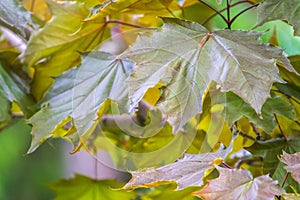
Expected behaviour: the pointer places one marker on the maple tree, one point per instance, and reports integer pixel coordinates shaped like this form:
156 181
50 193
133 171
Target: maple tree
195 98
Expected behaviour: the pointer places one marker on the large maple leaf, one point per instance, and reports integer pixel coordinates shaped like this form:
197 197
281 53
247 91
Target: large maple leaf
186 58
235 184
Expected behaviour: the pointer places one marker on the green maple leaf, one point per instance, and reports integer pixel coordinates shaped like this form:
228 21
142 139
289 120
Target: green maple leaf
235 108
79 94
270 150
11 91
83 188
271 10
186 57
167 190
14 16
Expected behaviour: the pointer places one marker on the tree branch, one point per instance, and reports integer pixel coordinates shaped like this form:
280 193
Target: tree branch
217 12
128 24
232 5
243 11
280 129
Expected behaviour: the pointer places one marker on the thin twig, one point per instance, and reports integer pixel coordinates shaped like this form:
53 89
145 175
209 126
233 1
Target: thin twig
245 135
32 6
280 129
255 129
218 12
285 178
243 11
226 165
288 96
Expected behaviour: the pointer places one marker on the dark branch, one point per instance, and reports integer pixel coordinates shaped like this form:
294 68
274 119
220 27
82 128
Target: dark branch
280 129
232 5
217 12
243 11
128 24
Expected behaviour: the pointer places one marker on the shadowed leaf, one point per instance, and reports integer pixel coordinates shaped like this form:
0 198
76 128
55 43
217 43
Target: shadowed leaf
271 10
270 150
14 15
10 91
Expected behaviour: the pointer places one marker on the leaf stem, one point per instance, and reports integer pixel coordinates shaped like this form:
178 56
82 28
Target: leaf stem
285 179
255 129
217 11
226 165
280 129
32 6
243 11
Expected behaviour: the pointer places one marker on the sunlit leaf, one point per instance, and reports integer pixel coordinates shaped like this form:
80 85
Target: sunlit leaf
289 196
55 48
293 164
187 171
38 8
82 188
186 57
79 93
271 10
235 184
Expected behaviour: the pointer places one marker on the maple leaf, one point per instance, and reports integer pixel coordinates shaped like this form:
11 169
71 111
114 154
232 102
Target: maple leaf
293 164
81 187
186 58
235 184
270 150
79 94
187 171
235 108
271 10
59 42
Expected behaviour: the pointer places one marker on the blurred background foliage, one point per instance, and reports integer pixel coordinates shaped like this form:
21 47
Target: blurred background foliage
27 176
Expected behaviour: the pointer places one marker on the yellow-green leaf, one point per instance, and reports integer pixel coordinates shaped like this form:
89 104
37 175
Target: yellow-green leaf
83 188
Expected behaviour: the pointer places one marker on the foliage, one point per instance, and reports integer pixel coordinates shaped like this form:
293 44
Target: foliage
161 88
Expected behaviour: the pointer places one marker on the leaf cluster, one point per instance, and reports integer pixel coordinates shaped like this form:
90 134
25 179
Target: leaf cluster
191 105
